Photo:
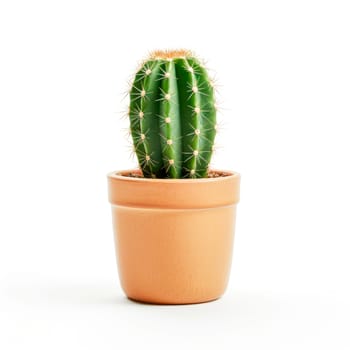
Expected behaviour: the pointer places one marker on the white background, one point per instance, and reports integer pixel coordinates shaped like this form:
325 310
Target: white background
284 79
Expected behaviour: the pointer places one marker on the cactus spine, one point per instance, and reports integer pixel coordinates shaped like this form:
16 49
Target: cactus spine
172 116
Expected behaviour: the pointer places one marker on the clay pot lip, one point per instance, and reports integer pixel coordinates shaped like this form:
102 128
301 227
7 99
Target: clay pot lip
119 175
173 193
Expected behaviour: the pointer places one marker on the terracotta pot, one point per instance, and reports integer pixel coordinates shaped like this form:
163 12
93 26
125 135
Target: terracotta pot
173 238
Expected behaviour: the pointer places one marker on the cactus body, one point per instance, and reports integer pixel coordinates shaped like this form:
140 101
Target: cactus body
172 116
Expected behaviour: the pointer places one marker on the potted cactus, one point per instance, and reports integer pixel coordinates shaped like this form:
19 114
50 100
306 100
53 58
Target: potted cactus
174 217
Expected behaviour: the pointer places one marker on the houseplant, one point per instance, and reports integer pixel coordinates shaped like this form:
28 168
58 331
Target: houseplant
173 219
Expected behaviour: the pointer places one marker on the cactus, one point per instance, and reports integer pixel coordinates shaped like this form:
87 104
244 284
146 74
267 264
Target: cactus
172 116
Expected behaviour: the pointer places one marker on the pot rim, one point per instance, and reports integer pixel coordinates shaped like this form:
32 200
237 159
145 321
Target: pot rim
173 193
120 175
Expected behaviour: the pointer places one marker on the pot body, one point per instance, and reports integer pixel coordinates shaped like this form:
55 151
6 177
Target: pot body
173 238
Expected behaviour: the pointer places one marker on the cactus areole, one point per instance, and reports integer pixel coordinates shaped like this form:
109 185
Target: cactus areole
172 116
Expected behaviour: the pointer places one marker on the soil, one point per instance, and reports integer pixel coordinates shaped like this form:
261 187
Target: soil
211 175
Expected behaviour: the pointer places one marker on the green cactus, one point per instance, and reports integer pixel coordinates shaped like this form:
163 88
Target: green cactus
173 116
